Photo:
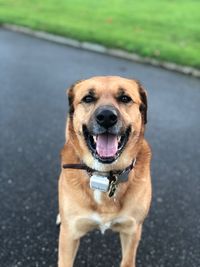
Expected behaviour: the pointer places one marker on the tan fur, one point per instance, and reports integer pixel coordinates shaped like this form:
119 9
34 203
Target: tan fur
124 213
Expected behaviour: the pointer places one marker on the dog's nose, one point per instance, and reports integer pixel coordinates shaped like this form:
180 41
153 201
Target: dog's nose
106 117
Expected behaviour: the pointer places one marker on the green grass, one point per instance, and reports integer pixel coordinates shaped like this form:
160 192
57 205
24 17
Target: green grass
166 30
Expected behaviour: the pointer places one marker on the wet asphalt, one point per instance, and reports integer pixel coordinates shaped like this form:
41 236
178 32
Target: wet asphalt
33 77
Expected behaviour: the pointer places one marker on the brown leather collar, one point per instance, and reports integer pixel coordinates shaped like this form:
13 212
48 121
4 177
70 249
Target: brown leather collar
122 175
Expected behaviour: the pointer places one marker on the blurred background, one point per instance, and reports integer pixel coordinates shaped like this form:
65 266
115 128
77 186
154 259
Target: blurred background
34 75
167 30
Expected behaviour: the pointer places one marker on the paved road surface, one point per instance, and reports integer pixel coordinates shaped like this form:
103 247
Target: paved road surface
33 77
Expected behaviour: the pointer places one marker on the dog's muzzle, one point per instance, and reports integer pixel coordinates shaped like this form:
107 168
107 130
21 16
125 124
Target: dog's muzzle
105 136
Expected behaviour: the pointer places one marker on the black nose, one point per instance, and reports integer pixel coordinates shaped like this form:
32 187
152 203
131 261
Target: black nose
106 117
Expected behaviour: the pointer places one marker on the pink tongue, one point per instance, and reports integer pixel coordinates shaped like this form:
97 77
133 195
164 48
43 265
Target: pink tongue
106 145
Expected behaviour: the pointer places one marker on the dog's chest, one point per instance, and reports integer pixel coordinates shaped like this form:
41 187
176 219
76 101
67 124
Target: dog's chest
94 220
102 225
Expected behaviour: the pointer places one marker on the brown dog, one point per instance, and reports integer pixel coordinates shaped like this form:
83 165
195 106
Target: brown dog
105 180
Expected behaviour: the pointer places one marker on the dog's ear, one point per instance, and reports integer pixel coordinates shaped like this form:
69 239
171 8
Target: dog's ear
143 105
70 93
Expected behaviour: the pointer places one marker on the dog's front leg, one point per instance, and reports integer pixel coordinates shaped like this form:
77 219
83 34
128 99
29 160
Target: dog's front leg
68 247
129 243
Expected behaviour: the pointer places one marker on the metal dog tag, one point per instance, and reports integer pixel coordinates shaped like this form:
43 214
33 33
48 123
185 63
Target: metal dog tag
113 186
99 182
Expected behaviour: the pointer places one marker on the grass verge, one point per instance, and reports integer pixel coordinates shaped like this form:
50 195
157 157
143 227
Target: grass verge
165 30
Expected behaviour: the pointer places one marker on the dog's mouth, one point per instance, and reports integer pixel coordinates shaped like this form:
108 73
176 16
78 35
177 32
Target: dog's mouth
106 147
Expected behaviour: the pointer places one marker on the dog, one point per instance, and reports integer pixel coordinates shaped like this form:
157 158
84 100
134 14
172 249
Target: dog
105 180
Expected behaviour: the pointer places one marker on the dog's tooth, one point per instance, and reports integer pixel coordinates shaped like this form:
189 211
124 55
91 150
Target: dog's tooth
118 138
95 138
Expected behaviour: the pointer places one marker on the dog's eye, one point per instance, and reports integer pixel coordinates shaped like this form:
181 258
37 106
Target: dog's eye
124 99
88 99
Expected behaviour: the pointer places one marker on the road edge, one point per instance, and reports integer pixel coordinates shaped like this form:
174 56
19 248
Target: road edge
103 50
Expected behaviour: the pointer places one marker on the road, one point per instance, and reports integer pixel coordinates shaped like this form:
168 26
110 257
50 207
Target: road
33 77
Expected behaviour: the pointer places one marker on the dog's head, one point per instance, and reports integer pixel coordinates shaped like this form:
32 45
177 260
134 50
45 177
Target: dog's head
106 120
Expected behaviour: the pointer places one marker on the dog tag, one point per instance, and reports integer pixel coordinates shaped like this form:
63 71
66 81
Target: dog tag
113 186
99 182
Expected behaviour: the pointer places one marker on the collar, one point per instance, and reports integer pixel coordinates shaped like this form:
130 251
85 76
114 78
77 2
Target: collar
121 175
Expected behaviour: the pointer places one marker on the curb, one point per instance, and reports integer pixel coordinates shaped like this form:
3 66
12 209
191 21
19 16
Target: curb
103 50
